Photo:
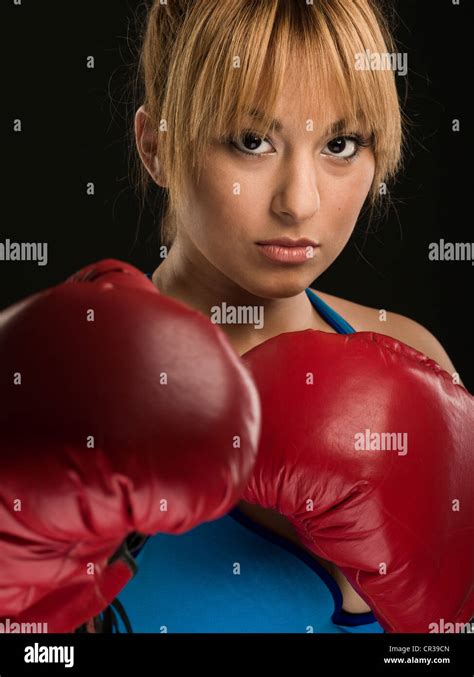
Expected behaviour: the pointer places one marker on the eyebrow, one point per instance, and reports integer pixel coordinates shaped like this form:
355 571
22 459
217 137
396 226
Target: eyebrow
334 128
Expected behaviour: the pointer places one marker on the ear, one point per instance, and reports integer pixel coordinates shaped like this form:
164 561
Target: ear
146 137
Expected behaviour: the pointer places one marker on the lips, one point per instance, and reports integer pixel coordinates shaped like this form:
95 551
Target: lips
288 242
286 250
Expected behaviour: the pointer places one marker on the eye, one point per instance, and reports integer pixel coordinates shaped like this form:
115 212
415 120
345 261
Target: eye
251 143
345 147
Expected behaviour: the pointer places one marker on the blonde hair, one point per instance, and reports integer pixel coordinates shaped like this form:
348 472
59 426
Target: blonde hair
205 64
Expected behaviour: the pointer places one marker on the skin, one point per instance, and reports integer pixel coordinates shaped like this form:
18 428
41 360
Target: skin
297 186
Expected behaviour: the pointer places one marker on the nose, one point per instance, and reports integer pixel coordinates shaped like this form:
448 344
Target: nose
297 197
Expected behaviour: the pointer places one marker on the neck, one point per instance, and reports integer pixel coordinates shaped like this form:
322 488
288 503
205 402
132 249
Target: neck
188 277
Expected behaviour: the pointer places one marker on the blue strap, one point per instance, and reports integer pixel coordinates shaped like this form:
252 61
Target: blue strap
327 313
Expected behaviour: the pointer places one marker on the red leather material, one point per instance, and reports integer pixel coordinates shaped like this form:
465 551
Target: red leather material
389 520
134 414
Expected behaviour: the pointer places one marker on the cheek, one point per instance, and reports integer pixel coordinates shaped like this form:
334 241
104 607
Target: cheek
343 198
226 200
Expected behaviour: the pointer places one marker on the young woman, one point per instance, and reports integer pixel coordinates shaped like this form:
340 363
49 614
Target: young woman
268 139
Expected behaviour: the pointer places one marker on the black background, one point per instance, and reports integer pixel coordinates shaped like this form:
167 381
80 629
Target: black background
75 130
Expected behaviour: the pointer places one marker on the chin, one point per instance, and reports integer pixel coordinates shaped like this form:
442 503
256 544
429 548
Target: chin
279 286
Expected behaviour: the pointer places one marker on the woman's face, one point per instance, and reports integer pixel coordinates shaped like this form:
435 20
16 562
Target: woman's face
294 184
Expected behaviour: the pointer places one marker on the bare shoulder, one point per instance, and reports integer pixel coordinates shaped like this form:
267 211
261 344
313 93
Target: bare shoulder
364 318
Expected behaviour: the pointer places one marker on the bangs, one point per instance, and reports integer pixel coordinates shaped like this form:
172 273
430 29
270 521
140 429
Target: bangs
314 48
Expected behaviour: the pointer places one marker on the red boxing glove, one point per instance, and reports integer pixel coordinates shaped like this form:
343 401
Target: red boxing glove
122 411
366 447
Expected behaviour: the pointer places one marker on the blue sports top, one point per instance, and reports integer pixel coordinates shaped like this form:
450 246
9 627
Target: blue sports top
234 575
